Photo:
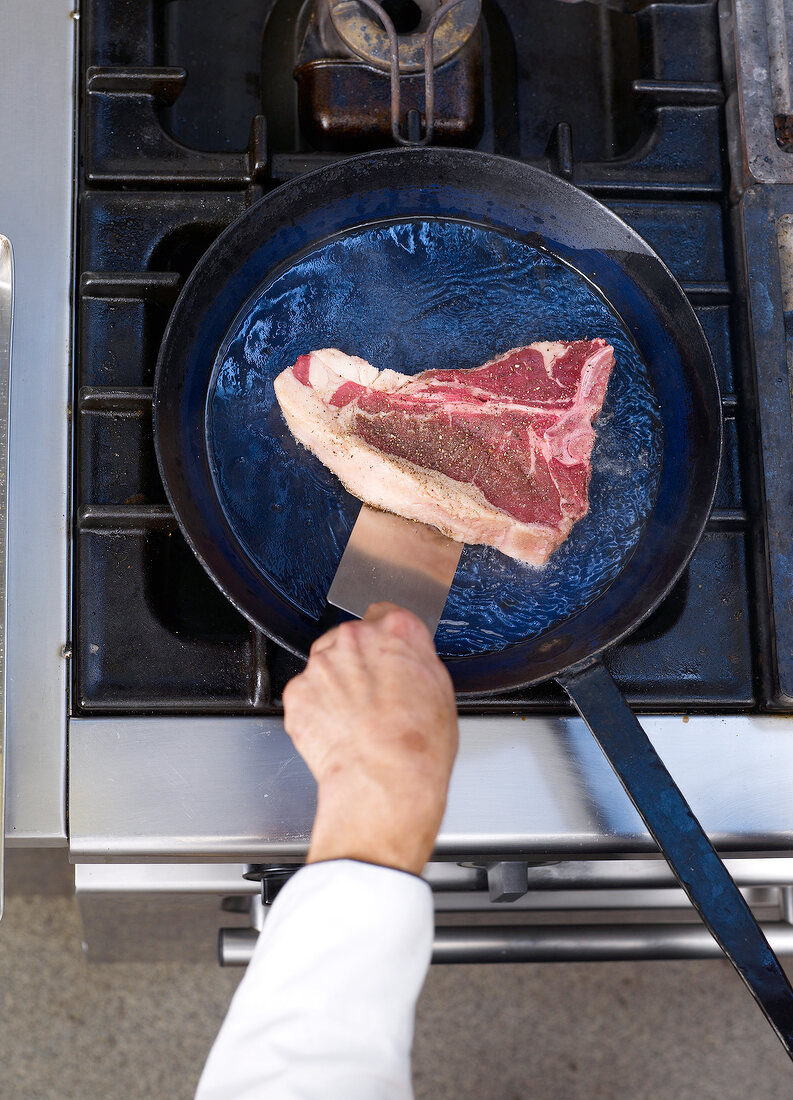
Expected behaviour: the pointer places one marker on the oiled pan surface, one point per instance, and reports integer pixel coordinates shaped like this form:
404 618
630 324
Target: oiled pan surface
410 296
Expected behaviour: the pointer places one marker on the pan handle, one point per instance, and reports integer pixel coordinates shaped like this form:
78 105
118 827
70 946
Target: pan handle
683 842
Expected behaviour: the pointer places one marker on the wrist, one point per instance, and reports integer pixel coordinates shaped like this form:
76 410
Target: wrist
368 825
396 856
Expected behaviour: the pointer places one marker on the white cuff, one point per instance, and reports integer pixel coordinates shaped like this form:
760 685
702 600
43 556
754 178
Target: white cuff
326 1008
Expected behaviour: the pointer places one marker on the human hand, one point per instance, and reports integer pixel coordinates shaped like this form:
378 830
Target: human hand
373 715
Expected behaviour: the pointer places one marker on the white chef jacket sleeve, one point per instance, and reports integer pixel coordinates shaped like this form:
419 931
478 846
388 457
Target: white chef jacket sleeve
326 1008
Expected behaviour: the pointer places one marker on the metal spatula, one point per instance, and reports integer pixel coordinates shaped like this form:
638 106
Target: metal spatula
389 558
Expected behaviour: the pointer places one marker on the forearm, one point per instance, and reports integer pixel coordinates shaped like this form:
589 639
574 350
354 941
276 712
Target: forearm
326 1008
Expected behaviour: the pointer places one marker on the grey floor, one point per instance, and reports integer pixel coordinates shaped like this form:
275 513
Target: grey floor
650 1031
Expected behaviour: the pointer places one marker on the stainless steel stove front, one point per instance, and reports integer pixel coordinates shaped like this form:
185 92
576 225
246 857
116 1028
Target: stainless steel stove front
169 811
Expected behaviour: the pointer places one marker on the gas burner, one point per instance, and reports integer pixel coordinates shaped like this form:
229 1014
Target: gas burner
366 34
406 70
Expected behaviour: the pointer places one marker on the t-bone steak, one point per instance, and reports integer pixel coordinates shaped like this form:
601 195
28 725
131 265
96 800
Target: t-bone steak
499 454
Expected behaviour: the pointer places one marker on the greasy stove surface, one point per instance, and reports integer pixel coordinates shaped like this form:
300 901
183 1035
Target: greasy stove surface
188 114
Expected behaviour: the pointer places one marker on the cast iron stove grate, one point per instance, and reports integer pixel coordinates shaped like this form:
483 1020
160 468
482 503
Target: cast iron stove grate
187 115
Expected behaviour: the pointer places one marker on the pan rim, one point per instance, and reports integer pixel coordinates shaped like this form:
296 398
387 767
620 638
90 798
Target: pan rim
491 164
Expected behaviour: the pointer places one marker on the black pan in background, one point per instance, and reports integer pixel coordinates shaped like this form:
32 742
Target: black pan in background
553 215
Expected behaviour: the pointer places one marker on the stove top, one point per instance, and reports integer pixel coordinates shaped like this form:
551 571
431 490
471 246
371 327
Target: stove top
189 112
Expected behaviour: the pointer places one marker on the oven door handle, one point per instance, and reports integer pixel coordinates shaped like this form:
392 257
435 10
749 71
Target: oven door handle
6 324
549 943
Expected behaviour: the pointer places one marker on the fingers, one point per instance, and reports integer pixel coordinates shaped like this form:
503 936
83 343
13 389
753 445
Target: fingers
377 611
323 642
347 630
398 620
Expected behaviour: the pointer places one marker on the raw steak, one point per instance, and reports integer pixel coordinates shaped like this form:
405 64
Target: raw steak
497 455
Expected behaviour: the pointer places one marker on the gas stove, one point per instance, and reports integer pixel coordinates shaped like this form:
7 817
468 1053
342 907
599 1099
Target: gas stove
162 700
637 119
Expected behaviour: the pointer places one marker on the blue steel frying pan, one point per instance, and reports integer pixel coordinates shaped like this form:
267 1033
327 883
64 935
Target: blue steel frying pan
435 257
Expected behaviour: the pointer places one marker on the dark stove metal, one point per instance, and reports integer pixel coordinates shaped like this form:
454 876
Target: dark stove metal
179 136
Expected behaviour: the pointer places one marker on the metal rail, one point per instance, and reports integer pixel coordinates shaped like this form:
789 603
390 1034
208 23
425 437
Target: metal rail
573 943
37 208
6 325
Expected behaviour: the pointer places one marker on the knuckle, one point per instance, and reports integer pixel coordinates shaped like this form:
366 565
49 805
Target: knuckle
317 664
324 641
405 623
349 634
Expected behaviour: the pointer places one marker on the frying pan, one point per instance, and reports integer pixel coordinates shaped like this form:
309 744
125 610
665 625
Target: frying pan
408 257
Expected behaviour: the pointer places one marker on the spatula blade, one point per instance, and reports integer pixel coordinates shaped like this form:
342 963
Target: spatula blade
390 558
